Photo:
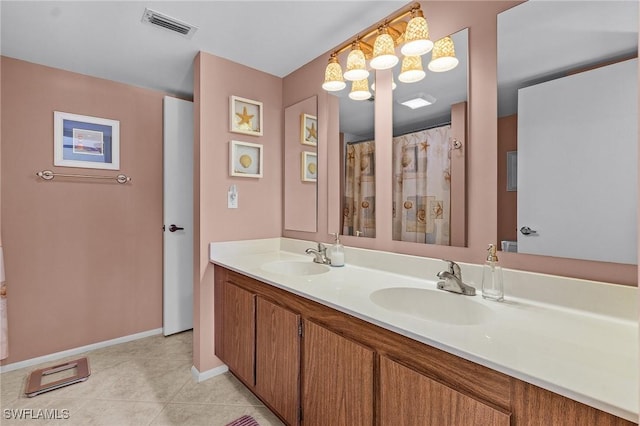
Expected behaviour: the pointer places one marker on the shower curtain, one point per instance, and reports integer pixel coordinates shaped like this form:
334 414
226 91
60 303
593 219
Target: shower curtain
4 336
360 190
422 186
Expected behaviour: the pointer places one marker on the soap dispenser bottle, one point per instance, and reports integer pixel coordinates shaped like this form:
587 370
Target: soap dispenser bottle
337 252
492 285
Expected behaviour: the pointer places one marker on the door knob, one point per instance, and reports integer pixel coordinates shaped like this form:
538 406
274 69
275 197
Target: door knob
527 231
174 228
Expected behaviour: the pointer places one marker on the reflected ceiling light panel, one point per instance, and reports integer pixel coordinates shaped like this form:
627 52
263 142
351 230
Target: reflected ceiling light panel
333 80
360 90
411 69
418 102
443 55
356 64
384 55
416 35
393 84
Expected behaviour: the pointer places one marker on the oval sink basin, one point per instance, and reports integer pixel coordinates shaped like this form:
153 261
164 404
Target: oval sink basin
296 268
432 305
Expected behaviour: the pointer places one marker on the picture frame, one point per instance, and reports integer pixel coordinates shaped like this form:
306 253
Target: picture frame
245 116
85 141
308 129
245 159
309 166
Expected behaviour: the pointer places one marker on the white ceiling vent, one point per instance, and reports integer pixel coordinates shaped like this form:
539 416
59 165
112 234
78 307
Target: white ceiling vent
167 22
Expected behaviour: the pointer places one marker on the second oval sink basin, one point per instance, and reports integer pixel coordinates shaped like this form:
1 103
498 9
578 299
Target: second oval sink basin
432 305
295 268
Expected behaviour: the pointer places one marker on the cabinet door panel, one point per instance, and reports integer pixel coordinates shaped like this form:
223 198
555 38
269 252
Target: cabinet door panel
537 406
410 399
278 359
337 379
238 337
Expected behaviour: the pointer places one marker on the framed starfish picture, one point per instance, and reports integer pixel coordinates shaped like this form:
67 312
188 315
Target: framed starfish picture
245 116
309 129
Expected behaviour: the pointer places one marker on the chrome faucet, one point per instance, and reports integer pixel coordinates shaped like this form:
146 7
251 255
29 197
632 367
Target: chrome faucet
451 280
320 254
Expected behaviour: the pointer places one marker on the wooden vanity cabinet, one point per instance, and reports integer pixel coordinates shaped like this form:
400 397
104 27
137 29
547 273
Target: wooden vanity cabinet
278 359
338 379
409 398
344 370
236 344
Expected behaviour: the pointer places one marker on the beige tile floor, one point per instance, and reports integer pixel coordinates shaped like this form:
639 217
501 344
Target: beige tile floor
144 382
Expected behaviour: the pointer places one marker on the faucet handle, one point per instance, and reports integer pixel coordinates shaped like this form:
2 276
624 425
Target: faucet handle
321 247
454 268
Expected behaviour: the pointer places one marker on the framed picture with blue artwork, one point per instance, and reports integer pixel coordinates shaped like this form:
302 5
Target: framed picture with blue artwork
85 141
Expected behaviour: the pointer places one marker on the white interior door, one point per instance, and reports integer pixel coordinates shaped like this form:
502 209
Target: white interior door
577 165
178 216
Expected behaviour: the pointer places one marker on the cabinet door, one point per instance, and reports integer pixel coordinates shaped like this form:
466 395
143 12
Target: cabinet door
278 359
408 398
337 379
238 332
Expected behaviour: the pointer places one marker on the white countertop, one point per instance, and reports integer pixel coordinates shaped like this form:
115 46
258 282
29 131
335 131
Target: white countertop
584 347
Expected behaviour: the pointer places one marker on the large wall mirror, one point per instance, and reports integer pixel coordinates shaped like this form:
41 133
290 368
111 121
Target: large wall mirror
568 129
301 166
429 135
358 180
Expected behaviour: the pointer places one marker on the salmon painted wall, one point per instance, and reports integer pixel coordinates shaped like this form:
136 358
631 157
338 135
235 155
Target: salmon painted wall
83 257
259 212
482 154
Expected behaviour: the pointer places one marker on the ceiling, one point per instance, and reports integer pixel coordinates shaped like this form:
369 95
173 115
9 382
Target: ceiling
107 38
537 40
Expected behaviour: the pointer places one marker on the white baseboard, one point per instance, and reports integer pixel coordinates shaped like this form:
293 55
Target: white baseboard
201 377
77 351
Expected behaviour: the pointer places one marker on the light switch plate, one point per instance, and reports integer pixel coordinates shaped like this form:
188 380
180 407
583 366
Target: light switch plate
232 197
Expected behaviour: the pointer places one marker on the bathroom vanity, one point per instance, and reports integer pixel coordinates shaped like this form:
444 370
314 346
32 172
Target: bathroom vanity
351 345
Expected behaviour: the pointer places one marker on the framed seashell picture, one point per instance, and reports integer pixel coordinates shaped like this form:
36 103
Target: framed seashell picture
308 129
309 166
245 116
245 159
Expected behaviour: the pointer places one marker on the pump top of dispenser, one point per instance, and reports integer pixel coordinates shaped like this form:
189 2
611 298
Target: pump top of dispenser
491 253
336 236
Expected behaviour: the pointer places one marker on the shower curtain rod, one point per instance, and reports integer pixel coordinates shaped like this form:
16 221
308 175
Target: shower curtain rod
435 126
448 123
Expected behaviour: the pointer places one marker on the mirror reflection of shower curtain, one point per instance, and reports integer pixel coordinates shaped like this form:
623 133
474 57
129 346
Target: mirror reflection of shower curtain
422 186
360 190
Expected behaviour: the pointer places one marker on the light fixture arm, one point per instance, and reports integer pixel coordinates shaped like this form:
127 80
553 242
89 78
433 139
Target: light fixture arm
391 26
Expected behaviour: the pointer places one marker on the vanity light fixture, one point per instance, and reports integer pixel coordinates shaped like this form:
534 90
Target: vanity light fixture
333 79
411 69
360 90
356 64
379 47
443 55
416 37
384 55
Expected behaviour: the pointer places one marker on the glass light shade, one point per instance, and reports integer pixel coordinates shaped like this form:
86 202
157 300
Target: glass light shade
411 69
384 55
356 65
360 90
416 37
333 80
443 56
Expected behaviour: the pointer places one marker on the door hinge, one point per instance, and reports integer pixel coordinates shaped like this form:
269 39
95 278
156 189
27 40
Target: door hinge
300 414
300 330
